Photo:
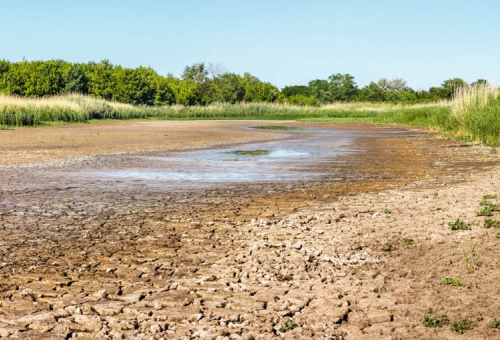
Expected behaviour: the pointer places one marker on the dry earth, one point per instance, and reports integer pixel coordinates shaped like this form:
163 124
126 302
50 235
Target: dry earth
241 261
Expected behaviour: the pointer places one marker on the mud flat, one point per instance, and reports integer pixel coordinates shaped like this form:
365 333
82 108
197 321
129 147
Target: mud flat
87 252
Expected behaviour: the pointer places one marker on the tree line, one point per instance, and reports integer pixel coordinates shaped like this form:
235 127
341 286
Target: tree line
199 84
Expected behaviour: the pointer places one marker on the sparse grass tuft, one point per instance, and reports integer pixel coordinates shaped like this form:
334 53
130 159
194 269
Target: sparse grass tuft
288 326
452 282
468 258
462 326
489 197
485 212
494 207
497 235
495 324
492 224
459 225
435 321
407 240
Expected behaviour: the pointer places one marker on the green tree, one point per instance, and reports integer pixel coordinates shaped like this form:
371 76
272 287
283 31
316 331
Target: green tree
396 84
342 87
452 85
164 95
102 80
301 100
319 89
440 92
75 79
371 93
258 91
289 91
197 73
227 88
185 91
135 86
480 83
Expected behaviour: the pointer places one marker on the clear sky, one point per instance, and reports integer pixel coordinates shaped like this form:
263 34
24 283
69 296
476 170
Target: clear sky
283 42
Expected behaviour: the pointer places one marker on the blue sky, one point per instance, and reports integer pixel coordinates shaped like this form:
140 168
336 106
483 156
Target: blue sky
283 42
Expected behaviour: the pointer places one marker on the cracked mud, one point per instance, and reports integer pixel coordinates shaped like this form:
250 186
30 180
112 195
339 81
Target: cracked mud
135 259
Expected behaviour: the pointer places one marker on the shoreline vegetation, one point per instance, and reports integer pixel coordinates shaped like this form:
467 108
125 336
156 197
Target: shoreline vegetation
473 114
52 92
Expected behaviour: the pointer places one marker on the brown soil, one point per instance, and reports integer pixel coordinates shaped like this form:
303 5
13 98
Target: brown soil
97 261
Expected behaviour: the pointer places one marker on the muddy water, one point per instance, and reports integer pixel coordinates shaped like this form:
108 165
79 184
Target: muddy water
294 158
305 155
300 156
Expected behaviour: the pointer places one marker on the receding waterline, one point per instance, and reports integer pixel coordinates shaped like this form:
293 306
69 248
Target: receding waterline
250 152
283 160
279 128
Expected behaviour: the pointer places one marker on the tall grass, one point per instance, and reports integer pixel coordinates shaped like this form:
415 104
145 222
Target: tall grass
476 111
473 114
18 111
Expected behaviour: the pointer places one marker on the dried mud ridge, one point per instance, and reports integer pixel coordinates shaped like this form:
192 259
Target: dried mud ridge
238 263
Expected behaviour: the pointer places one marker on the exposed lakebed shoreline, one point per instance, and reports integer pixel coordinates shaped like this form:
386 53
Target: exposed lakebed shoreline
86 252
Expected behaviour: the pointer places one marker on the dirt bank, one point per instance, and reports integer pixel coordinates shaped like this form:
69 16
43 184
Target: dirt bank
108 261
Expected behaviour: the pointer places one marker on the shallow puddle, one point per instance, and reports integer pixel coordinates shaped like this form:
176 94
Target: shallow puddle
284 160
308 154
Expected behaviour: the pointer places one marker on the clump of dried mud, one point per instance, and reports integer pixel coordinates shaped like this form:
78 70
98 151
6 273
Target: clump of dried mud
116 262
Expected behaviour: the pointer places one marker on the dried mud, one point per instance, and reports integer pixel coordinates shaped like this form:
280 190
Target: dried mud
80 260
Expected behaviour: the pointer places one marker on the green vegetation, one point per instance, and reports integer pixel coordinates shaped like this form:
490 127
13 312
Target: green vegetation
73 108
492 224
476 111
407 240
288 326
452 282
459 225
469 259
489 197
497 235
251 152
485 212
199 84
279 128
495 324
462 326
494 207
435 321
206 91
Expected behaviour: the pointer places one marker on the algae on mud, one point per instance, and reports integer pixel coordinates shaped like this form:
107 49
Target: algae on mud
251 152
279 128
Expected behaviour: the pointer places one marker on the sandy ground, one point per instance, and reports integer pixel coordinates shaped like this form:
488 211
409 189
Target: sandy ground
241 261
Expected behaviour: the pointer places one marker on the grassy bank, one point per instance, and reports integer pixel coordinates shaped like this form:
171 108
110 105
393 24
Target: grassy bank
17 111
474 114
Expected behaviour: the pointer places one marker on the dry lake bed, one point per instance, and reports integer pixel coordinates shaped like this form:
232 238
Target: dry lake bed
221 230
